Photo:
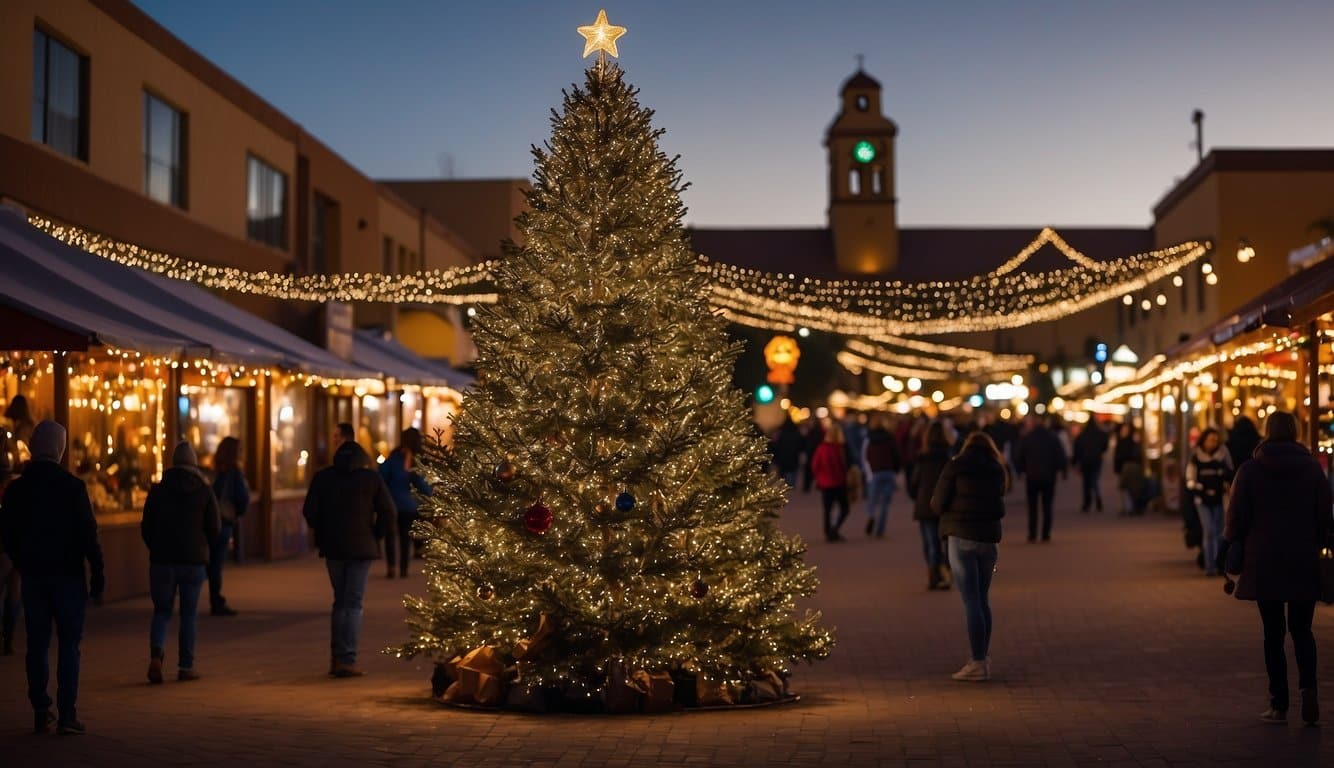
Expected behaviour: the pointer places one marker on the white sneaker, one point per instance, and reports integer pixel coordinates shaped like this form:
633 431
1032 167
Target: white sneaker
974 672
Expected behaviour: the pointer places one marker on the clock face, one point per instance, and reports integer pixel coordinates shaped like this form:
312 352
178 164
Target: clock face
863 152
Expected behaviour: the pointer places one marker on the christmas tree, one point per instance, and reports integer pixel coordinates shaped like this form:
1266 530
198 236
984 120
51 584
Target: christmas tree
604 509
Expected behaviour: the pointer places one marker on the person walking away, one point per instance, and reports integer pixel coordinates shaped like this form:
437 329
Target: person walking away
233 494
50 533
787 447
1039 457
1128 464
1242 440
881 464
180 527
829 466
814 437
1280 516
1208 477
1089 448
969 497
399 477
922 482
350 510
10 602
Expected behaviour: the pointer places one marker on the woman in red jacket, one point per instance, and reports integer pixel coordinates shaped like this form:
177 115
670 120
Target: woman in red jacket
830 468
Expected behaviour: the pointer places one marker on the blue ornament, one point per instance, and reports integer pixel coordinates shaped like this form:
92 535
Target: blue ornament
625 502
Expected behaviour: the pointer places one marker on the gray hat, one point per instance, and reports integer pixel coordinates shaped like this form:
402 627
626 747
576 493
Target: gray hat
47 442
184 455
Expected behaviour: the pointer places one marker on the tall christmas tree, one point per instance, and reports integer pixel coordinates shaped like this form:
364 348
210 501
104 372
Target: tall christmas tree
604 510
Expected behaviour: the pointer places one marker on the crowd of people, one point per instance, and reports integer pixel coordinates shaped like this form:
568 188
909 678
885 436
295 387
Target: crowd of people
1259 509
51 563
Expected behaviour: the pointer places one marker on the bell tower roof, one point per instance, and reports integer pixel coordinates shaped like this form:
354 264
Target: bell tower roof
860 82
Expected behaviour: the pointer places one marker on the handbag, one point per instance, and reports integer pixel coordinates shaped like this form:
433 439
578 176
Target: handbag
1326 564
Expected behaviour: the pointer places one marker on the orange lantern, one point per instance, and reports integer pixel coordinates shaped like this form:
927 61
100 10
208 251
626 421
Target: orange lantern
781 355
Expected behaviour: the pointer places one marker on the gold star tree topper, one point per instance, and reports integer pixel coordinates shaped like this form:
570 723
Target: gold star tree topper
601 36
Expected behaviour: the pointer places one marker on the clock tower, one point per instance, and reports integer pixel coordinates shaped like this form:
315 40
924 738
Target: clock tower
862 216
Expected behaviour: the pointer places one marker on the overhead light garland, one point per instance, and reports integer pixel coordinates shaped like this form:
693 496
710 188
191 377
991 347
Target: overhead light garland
874 310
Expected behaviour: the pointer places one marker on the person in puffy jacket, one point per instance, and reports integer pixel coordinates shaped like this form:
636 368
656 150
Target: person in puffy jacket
970 499
1208 477
829 467
1279 515
179 527
399 477
931 461
350 510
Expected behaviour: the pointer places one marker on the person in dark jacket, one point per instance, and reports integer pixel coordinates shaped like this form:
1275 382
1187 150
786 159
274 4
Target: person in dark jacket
814 438
1208 477
1040 457
787 447
881 464
350 510
49 530
1279 515
233 494
1089 448
399 477
1242 440
931 461
830 468
970 499
180 525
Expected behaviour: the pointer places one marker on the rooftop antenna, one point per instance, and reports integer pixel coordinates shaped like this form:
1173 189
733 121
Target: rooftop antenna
445 160
861 61
1197 117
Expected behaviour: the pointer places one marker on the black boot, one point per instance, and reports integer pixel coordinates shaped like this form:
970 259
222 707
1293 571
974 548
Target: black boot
155 666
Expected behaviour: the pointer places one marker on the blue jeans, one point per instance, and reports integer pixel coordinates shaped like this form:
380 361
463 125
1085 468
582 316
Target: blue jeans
217 555
62 601
1211 533
1092 474
164 582
348 578
930 530
972 564
882 487
790 477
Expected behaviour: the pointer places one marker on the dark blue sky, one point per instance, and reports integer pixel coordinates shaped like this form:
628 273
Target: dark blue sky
1009 113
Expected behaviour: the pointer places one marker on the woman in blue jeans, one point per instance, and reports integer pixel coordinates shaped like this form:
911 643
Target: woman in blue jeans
970 500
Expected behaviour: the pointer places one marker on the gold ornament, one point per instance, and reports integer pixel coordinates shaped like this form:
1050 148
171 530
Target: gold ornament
601 36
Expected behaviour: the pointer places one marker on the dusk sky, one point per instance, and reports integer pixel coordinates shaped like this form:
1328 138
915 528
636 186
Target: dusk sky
1009 113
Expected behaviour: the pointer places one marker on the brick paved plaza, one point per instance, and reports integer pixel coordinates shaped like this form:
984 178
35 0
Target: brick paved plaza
1109 649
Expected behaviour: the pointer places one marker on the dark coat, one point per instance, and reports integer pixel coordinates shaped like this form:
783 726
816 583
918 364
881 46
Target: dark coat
880 452
231 484
923 478
1280 512
1127 451
1090 446
349 507
180 519
1242 440
1040 455
787 447
48 527
970 497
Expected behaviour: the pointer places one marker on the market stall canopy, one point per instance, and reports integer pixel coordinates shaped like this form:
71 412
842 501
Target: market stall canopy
375 349
115 305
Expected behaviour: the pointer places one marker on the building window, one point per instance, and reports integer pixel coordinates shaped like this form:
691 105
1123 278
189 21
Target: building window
164 152
388 255
854 182
266 203
59 96
863 103
323 234
1199 290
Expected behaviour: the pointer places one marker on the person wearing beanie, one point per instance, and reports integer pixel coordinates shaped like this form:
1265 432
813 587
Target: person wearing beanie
48 529
180 524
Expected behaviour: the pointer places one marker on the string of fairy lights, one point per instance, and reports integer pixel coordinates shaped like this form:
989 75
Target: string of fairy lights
876 310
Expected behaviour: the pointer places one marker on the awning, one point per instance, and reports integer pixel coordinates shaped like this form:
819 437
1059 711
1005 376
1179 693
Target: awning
378 350
120 306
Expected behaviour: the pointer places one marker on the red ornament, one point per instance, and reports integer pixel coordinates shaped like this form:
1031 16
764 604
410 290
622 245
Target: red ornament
699 589
538 518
